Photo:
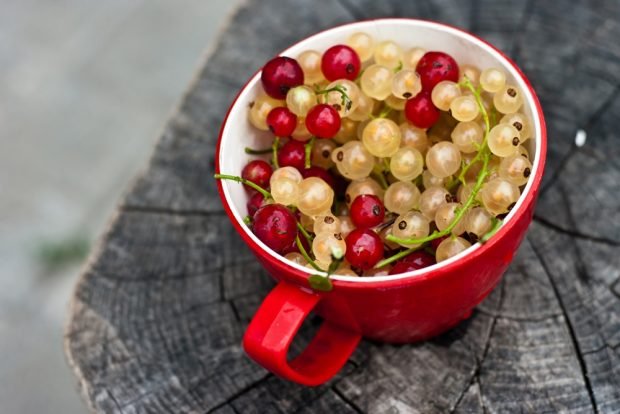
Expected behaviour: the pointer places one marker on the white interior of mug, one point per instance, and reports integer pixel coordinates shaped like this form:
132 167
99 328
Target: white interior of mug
465 48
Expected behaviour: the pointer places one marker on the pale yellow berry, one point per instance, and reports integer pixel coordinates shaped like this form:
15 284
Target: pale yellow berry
516 169
310 62
467 136
464 108
411 225
478 221
297 258
363 45
381 137
325 245
326 224
499 195
301 133
431 199
446 214
504 140
388 53
412 57
444 93
406 164
260 108
376 81
364 108
429 180
315 196
300 100
492 79
363 186
443 159
345 105
450 247
521 123
414 137
401 196
508 100
353 160
406 84
469 72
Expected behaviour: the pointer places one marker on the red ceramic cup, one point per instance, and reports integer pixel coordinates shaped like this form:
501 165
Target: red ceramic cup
396 309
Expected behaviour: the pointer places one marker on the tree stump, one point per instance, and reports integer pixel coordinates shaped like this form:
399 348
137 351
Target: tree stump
158 315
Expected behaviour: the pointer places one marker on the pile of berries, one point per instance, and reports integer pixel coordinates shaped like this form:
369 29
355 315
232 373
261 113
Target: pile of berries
383 160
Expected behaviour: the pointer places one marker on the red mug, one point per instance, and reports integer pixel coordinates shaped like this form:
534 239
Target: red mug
395 309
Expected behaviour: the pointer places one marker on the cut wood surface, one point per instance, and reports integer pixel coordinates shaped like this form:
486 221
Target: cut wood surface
158 315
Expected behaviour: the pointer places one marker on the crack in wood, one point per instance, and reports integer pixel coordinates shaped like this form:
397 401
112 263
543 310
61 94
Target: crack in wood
239 393
571 329
518 318
346 400
574 233
476 374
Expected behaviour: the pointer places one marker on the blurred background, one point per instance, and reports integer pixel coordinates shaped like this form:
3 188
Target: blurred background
85 88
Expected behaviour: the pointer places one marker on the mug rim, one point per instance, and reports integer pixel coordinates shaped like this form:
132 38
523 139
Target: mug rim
472 252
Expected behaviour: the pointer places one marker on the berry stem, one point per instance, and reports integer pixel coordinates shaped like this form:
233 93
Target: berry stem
303 231
345 101
274 152
305 254
253 151
396 257
247 220
484 155
497 223
249 183
308 152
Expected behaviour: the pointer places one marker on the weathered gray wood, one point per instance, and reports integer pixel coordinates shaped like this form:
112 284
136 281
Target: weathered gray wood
158 315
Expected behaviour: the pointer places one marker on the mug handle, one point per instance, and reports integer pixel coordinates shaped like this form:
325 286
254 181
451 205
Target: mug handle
275 324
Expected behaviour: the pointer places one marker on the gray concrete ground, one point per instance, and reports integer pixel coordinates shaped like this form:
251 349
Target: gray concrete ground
85 87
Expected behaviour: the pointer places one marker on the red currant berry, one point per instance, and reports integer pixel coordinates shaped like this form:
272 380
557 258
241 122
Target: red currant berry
323 121
367 211
420 111
281 74
275 226
257 171
364 248
435 67
321 173
281 121
340 62
254 203
415 261
292 154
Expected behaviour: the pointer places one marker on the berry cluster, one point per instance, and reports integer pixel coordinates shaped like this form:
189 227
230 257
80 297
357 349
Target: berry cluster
383 160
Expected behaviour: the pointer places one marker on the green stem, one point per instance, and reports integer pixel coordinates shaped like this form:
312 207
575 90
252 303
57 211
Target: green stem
396 257
247 220
305 233
305 254
253 151
345 101
308 152
483 155
258 188
381 178
274 152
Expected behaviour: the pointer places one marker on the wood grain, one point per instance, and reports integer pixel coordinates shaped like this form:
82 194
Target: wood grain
159 312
